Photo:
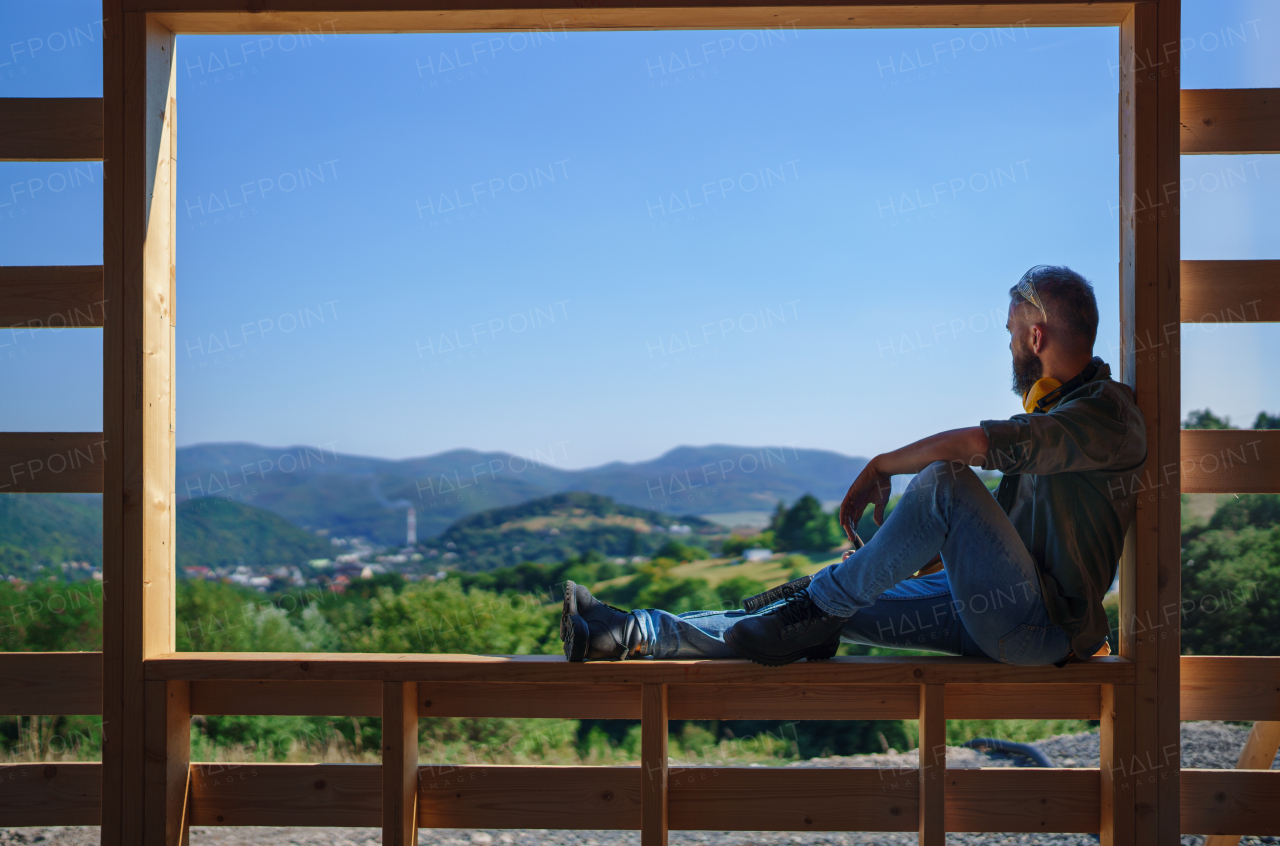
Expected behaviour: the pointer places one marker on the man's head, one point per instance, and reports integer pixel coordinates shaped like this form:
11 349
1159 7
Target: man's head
1053 321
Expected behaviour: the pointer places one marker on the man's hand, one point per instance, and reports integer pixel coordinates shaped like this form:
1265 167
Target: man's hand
872 487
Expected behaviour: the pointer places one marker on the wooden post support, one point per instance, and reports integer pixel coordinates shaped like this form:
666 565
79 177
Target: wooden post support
653 763
139 96
399 763
1259 753
933 764
1116 734
168 760
1150 314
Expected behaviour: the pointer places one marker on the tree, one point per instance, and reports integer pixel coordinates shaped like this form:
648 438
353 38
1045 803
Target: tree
1267 421
807 527
1206 419
678 551
779 514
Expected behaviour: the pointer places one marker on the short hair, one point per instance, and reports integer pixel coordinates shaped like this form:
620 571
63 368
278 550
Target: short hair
1068 300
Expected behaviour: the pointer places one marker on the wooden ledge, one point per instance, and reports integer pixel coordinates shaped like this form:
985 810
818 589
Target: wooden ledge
302 666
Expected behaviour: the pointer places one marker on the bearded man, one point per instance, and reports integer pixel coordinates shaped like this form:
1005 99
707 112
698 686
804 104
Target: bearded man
1025 570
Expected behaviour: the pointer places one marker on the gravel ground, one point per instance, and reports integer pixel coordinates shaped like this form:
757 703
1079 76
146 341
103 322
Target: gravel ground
1208 745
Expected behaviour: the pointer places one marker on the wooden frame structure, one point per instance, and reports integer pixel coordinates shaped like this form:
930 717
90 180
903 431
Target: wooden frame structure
146 791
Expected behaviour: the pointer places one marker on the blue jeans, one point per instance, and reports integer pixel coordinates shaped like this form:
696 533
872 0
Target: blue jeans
986 602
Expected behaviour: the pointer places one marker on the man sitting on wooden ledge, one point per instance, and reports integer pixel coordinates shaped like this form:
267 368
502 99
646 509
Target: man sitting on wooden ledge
1025 570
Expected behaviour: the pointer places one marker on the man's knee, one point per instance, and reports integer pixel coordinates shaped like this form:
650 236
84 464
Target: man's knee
946 475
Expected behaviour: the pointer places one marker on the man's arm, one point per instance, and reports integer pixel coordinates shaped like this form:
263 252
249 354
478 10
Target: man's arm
964 446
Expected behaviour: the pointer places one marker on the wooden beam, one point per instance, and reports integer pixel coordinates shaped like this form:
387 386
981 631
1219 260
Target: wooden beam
1149 322
287 794
1230 120
523 669
52 462
1230 801
591 798
139 86
1259 754
50 794
399 763
622 701
1164 743
53 297
52 683
1023 702
113 399
609 798
50 129
315 19
1230 291
653 765
794 799
494 699
1235 688
793 702
933 765
168 761
1023 799
304 699
1116 778
1230 461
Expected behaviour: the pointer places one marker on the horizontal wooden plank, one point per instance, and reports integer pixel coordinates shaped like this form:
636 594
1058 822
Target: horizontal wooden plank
1230 802
54 297
50 129
608 798
192 666
1230 688
1230 461
52 683
573 701
1230 120
281 698
286 794
602 798
793 702
314 18
1230 291
50 794
622 701
1024 702
51 462
793 799
1024 799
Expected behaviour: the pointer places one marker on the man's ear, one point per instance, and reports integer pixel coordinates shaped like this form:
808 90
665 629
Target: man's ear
1037 338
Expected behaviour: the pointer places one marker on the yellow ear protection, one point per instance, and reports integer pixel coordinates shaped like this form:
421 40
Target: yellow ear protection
1051 399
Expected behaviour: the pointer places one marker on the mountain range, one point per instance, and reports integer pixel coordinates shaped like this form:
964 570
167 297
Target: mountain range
355 496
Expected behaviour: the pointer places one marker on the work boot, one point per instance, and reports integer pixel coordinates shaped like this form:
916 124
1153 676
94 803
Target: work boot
796 629
594 631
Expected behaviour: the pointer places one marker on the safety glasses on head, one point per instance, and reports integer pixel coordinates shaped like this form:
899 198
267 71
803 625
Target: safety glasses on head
1027 288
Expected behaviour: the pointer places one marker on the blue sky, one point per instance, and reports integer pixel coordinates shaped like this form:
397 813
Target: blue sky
616 243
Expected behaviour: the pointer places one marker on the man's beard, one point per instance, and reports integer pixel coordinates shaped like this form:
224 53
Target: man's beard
1027 370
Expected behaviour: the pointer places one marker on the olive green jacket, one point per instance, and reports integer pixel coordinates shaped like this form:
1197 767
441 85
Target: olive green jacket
1069 488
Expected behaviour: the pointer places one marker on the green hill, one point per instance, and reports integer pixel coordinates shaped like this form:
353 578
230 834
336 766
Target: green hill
215 532
39 532
557 527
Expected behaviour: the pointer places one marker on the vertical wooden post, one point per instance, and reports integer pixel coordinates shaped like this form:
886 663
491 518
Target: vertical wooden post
933 765
399 763
1150 585
1116 734
139 92
653 763
168 759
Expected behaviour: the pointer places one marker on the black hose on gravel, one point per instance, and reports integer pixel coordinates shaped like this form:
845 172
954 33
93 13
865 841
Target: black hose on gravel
1026 750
